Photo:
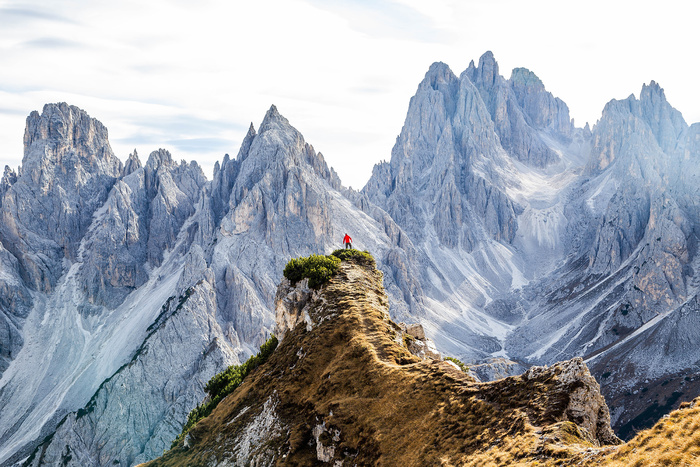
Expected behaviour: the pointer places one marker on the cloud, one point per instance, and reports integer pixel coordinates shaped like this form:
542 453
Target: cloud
12 112
30 14
53 43
187 125
370 89
156 68
386 18
204 145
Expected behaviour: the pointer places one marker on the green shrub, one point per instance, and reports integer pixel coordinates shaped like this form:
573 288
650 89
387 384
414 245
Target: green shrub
294 270
224 383
318 268
362 257
459 363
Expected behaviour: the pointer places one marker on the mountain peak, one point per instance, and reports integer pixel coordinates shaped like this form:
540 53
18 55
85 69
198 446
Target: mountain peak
66 157
438 75
62 128
524 77
133 163
488 68
487 58
273 119
251 128
652 91
159 158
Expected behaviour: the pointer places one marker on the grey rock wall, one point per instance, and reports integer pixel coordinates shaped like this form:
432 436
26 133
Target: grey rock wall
67 171
505 230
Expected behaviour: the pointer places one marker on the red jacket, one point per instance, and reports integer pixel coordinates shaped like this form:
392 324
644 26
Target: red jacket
347 239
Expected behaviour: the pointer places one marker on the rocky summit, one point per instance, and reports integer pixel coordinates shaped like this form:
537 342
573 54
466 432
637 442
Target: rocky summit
343 388
507 236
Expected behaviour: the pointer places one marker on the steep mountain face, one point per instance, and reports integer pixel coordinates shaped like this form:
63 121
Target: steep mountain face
92 312
67 170
631 282
522 111
342 387
172 279
479 179
548 241
138 223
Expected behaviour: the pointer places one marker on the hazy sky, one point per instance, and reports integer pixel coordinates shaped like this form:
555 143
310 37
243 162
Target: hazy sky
191 76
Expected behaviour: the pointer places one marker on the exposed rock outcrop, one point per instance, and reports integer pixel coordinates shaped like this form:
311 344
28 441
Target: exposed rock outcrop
580 394
293 304
67 171
521 108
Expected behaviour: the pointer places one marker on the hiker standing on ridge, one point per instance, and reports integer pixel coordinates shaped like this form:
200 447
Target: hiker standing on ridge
348 241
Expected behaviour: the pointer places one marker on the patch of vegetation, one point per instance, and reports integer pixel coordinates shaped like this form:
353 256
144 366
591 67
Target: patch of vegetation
224 383
317 268
362 257
462 366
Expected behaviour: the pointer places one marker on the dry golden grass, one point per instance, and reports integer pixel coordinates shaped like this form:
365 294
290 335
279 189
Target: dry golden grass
673 441
393 409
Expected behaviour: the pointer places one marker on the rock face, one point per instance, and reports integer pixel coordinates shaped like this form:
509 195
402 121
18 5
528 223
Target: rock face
15 303
292 306
506 232
338 391
523 112
585 405
557 241
148 394
447 131
140 221
67 171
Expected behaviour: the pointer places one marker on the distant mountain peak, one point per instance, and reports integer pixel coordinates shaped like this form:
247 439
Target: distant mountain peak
438 74
524 77
62 127
273 118
161 157
251 129
133 163
488 68
653 88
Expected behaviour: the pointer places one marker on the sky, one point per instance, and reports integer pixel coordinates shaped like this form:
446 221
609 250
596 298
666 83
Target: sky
191 76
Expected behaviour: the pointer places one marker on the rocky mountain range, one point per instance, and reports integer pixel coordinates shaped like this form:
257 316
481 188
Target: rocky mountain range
513 236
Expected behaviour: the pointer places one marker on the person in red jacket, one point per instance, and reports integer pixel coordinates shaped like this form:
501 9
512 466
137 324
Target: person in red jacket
348 241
